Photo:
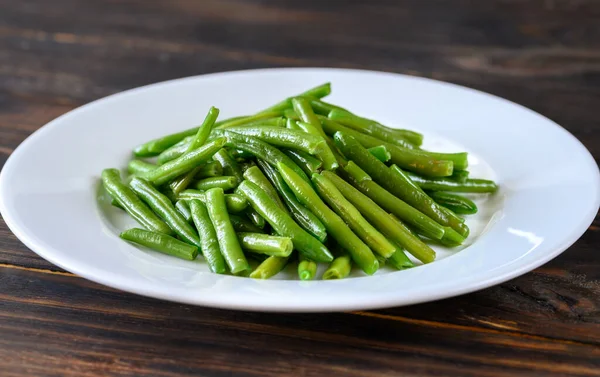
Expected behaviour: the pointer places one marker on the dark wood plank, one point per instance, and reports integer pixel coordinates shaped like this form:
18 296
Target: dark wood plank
60 325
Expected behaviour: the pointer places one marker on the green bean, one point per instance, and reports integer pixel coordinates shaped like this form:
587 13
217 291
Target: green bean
316 92
225 182
339 268
209 242
161 242
185 163
114 203
249 119
283 224
323 108
479 186
241 224
130 202
235 203
422 162
334 224
306 219
230 166
165 209
394 182
239 154
290 114
269 267
255 175
139 167
260 149
266 244
460 175
277 121
312 125
307 269
381 153
228 241
387 201
400 260
383 221
175 151
184 210
157 146
456 203
183 181
331 195
255 218
308 163
382 261
204 129
284 137
210 169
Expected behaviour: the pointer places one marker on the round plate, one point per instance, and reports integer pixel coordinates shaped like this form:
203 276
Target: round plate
50 197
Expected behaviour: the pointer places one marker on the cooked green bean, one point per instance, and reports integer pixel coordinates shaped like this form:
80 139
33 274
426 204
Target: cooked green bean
339 268
139 167
393 181
255 175
183 181
163 207
480 186
316 92
456 203
361 254
266 244
230 166
161 242
228 241
383 221
255 218
290 114
184 210
204 130
277 121
210 169
400 260
284 137
331 195
248 119
240 155
209 242
422 162
283 224
306 219
242 224
225 182
130 202
185 163
235 203
323 108
175 151
381 153
308 163
269 267
307 269
460 175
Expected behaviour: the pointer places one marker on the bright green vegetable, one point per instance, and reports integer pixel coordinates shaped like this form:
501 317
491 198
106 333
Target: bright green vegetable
255 175
307 269
225 182
160 242
209 243
308 163
183 181
334 224
204 130
139 167
256 218
456 203
226 236
235 203
130 202
284 137
269 267
248 119
381 153
230 166
400 260
184 210
242 224
266 244
479 186
163 207
282 223
316 92
339 268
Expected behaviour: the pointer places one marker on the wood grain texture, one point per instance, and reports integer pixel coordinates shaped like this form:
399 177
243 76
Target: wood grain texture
55 56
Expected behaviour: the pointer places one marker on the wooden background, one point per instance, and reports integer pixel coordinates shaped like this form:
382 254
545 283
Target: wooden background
57 55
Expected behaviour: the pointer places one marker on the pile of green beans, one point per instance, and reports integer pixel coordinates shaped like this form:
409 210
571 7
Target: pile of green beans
303 181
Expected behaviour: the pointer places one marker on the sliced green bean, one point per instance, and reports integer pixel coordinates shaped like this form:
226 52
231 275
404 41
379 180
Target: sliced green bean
311 124
339 268
334 224
306 219
209 242
381 153
242 224
184 210
456 203
161 242
308 163
360 226
307 269
266 244
228 241
283 224
284 137
230 166
139 167
316 92
235 203
255 175
225 182
383 221
163 207
269 268
130 202
185 163
479 186
204 129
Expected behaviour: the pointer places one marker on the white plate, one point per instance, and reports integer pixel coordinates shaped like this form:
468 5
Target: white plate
549 187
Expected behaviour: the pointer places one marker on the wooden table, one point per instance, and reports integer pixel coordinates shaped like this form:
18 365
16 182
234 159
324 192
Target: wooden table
57 55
